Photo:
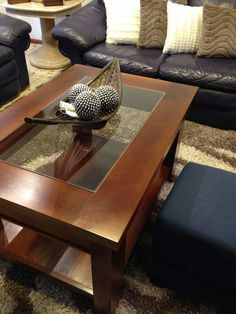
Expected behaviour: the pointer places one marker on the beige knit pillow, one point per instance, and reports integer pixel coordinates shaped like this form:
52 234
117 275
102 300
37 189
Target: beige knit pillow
153 25
218 38
183 28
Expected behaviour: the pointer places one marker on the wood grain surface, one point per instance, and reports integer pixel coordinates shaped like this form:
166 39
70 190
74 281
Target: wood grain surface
105 223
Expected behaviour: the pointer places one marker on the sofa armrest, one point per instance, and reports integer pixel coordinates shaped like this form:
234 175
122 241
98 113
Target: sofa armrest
12 30
85 28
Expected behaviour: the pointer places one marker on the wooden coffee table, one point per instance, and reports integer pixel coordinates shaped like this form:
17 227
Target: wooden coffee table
77 214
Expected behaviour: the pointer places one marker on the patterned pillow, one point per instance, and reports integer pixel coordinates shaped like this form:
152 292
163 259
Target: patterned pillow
218 32
123 21
184 28
154 23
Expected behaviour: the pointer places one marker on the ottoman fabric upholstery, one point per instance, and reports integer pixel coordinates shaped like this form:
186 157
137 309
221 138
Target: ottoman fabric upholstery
194 240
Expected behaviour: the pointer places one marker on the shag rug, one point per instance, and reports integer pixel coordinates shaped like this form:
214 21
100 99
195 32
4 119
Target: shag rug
24 291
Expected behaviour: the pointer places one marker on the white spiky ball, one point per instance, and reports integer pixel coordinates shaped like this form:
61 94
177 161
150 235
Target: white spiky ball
87 105
108 97
76 90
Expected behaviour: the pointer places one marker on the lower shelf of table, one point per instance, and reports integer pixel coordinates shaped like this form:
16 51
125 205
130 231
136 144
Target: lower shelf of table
50 256
60 261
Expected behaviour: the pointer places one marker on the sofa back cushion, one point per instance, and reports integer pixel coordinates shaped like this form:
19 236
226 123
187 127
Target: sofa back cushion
196 3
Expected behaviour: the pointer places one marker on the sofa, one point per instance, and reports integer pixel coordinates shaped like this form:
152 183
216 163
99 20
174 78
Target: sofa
81 37
14 40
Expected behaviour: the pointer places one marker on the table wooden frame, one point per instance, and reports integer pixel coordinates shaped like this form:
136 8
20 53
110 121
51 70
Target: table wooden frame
91 233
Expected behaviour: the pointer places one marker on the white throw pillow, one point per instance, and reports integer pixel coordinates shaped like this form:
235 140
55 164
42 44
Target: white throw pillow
184 25
123 21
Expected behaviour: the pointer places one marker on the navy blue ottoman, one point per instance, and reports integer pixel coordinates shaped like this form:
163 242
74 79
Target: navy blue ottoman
194 239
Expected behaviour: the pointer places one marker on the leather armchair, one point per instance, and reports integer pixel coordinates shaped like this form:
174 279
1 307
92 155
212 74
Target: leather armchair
14 40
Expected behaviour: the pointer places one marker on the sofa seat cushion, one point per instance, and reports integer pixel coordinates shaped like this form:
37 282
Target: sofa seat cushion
210 73
200 213
133 60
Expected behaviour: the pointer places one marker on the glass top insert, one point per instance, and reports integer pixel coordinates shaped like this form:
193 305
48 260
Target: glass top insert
83 158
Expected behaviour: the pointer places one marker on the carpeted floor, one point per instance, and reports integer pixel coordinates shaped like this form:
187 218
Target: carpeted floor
24 291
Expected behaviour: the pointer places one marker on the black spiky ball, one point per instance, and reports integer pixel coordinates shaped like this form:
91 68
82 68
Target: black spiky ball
87 105
76 90
109 99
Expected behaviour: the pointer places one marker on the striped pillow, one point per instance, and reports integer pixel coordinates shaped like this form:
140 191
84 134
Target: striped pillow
218 37
123 21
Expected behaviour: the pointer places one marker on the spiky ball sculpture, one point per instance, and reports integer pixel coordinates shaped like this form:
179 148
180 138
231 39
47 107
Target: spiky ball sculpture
87 105
108 97
76 90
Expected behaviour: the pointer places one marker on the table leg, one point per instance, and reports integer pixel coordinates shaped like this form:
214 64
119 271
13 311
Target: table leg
173 151
47 56
107 274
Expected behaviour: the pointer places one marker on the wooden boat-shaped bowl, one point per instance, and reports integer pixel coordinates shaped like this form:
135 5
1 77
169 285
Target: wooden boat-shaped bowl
109 75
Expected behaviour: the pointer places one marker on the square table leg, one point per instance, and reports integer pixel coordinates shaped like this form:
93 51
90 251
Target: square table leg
107 274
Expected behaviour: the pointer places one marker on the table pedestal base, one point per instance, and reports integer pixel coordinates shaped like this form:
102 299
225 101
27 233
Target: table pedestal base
48 56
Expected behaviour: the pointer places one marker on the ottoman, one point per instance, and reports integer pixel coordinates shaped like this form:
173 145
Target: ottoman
194 239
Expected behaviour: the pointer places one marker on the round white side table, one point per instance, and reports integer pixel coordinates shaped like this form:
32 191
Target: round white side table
47 56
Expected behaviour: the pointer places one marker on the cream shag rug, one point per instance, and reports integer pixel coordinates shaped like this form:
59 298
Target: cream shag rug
24 291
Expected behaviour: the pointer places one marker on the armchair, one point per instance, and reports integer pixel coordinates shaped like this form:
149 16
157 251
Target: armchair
14 40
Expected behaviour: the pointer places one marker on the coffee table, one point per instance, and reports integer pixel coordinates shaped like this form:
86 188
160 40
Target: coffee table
77 213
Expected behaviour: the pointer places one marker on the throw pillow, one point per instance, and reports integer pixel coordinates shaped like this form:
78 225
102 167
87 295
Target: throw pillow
153 23
123 21
218 32
183 28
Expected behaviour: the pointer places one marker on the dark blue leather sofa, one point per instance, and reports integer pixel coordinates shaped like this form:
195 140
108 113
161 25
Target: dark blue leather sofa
81 38
14 40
